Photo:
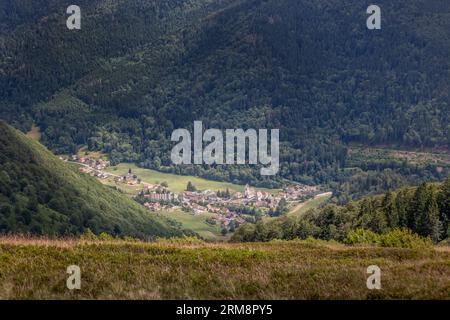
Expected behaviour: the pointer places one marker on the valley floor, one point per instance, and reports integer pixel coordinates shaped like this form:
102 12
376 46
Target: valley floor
189 269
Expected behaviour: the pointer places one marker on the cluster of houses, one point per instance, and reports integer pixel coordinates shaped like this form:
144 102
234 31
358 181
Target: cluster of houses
128 178
227 219
296 192
97 164
94 173
210 201
158 198
255 198
262 199
90 166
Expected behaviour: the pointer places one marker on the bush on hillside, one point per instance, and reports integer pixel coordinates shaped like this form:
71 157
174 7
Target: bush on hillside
398 238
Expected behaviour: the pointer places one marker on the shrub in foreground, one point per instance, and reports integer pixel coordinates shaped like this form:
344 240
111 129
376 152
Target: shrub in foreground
398 238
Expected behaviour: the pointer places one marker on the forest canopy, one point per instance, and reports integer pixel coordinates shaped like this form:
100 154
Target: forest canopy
139 69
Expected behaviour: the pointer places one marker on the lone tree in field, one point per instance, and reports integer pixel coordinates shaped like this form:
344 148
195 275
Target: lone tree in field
190 187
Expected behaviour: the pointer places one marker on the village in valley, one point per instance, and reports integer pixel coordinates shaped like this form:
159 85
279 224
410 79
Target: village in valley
229 208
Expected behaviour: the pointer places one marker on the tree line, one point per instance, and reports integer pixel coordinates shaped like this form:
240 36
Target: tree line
424 210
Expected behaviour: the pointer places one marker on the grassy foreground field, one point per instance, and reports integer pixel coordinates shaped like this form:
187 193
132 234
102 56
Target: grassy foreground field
36 269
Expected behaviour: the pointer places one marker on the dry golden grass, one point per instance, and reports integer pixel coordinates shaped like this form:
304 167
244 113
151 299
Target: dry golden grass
35 133
35 268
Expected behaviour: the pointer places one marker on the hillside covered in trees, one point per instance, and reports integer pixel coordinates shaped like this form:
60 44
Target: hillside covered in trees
424 210
139 69
42 195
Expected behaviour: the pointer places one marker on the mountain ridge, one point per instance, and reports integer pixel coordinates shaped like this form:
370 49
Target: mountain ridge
312 70
40 194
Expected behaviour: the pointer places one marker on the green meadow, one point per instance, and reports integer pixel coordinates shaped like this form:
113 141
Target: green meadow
316 202
197 223
177 183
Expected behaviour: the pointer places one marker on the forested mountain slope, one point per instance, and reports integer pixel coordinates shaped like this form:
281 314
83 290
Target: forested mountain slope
40 194
139 69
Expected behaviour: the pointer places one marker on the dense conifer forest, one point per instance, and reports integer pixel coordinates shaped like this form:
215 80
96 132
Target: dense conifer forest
139 69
